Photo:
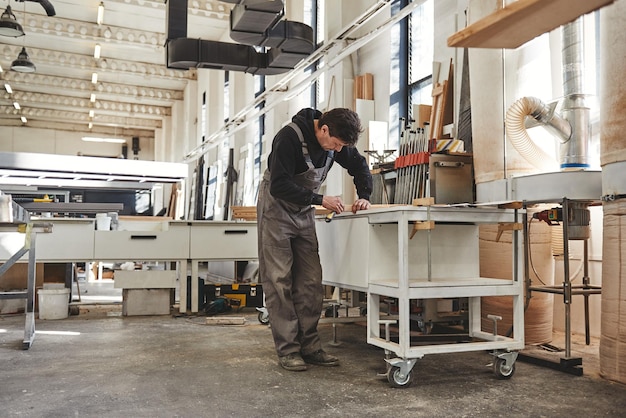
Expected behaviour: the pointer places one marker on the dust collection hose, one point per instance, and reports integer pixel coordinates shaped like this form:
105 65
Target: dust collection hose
516 131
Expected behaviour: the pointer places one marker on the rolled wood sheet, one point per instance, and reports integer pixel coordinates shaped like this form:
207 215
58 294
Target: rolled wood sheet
496 262
613 320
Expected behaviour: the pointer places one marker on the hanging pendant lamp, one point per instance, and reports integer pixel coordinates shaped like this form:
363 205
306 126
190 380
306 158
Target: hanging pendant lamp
9 25
23 64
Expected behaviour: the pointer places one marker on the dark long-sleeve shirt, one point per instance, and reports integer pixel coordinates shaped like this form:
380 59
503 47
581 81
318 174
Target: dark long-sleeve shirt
286 160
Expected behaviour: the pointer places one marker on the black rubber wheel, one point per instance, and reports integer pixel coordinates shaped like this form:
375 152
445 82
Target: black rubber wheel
502 370
264 318
397 380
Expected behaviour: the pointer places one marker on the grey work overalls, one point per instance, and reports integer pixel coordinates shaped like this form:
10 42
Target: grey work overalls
289 264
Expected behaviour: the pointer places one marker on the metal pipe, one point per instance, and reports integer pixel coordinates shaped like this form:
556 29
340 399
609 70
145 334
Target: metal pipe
574 153
567 286
572 56
586 294
552 122
517 134
572 127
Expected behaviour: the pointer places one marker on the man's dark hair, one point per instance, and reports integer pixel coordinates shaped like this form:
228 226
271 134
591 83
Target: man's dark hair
343 124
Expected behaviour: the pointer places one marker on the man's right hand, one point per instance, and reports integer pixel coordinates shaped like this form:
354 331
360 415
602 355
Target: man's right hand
333 203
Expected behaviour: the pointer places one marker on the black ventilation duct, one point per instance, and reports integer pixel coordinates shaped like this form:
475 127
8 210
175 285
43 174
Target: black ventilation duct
176 19
252 23
47 6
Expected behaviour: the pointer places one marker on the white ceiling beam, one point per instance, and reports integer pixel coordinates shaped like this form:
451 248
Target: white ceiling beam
82 88
101 118
77 104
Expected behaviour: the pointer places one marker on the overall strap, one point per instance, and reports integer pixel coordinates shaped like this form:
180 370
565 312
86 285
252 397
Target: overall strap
305 148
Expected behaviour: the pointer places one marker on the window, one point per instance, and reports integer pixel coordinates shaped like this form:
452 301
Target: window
314 17
226 97
259 131
203 127
420 45
397 77
411 66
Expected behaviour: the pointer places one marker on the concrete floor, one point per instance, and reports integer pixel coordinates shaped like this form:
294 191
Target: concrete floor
99 363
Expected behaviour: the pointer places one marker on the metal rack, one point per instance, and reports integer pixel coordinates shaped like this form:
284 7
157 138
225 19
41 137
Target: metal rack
568 364
13 217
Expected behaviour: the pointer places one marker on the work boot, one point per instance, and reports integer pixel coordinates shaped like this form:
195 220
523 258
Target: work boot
321 358
292 362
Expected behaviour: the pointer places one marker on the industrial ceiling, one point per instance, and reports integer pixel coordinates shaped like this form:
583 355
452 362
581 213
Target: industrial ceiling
134 90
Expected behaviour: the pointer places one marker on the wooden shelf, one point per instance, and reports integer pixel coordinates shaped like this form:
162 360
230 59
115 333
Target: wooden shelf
522 21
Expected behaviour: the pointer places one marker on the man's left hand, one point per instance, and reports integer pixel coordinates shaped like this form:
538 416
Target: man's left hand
361 204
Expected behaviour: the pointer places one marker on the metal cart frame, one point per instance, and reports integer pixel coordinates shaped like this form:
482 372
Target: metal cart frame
422 274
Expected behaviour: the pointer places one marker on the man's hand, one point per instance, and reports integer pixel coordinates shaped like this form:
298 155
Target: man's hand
361 204
333 203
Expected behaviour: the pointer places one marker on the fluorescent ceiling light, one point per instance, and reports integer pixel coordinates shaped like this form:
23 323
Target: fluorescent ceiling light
94 78
92 98
100 17
96 51
8 88
90 125
16 105
23 118
111 140
91 113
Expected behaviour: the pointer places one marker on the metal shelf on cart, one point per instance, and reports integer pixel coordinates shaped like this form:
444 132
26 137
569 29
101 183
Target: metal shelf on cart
413 352
445 288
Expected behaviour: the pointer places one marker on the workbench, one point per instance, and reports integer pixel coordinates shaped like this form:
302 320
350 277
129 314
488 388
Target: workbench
217 241
411 254
182 242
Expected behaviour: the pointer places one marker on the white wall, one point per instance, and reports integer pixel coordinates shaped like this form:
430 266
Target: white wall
374 58
47 141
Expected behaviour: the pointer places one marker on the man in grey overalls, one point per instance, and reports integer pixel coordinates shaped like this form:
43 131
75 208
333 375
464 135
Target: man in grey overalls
289 264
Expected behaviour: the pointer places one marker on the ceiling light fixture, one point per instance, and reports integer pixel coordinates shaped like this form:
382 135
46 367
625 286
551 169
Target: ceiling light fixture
23 118
8 88
16 105
96 51
100 17
92 98
91 113
9 25
23 64
110 140
94 78
90 125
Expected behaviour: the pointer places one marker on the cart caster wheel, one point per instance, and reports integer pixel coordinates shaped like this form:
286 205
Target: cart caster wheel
397 379
502 370
264 317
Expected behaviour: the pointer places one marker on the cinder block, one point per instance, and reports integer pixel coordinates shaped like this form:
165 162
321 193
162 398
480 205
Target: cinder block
145 302
145 279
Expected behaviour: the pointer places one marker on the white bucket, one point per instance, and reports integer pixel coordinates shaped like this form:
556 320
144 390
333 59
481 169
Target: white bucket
103 223
53 303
